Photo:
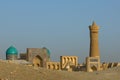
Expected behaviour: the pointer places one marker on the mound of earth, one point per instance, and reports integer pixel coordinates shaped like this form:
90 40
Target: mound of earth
10 71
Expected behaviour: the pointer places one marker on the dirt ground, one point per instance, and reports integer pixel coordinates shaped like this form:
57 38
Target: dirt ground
10 71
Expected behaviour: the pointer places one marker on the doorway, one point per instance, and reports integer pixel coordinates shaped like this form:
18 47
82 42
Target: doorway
37 61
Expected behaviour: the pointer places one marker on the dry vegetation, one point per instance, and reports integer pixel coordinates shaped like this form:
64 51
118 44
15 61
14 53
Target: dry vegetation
10 71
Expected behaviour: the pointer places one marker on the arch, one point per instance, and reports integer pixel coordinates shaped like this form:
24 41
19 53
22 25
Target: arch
71 59
38 61
68 59
48 66
94 68
64 60
53 66
57 67
75 60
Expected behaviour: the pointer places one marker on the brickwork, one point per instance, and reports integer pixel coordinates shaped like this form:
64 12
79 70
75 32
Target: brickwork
94 46
23 56
93 61
53 65
68 62
92 64
11 57
37 56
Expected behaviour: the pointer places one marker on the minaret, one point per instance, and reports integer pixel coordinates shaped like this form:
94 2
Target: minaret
94 46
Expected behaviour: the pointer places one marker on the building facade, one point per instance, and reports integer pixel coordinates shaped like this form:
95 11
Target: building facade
37 56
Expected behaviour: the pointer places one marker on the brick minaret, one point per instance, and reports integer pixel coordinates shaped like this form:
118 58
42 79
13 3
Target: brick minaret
94 46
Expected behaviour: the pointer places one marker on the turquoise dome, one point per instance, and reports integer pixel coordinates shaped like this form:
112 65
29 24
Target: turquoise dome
11 51
48 51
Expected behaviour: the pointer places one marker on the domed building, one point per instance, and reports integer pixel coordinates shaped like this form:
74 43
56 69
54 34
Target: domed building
11 53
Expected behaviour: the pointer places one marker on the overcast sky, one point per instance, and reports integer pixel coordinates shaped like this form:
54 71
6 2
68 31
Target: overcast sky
61 26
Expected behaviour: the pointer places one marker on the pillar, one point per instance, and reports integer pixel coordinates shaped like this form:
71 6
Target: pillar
94 46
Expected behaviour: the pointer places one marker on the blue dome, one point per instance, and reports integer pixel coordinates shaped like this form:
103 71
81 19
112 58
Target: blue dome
11 51
47 50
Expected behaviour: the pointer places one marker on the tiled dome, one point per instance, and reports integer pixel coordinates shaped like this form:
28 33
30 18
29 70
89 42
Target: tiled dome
11 51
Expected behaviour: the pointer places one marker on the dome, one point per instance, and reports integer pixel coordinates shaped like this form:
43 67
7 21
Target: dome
48 51
11 51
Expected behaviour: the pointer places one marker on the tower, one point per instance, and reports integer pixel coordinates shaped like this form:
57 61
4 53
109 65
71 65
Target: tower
93 61
94 45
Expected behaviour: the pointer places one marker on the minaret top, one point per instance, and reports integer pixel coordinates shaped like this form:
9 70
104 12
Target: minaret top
94 26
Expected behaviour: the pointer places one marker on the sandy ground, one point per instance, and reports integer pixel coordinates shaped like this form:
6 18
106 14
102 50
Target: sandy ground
10 71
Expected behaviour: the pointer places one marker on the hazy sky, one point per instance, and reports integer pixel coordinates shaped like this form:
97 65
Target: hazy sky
61 26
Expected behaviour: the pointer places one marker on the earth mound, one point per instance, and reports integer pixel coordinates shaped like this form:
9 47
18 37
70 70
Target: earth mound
10 71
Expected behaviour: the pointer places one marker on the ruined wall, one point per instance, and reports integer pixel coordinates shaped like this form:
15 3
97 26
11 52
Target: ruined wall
53 65
68 62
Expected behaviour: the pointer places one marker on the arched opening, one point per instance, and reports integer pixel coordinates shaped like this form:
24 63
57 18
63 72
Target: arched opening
48 66
94 68
53 66
72 59
57 67
75 61
64 60
68 58
37 61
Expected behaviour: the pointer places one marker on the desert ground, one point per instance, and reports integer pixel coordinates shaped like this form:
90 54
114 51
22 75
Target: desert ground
10 71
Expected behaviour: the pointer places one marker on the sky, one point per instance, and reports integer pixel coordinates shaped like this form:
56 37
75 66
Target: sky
61 26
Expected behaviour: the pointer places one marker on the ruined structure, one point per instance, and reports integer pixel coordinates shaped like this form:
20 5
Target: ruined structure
53 65
68 62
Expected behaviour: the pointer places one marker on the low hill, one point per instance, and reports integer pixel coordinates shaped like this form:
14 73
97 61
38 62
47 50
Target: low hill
10 71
